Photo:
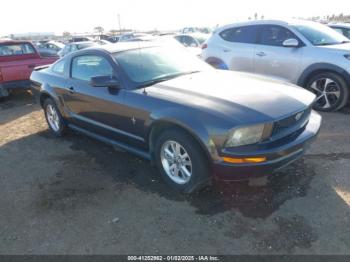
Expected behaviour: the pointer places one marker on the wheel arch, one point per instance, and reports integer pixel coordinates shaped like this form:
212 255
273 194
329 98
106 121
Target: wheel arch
43 96
45 93
158 126
319 68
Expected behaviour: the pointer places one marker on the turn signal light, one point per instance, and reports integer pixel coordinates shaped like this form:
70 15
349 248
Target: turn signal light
244 160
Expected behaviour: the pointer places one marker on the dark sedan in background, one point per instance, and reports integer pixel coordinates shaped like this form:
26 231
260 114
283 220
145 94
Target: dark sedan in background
344 29
75 46
190 120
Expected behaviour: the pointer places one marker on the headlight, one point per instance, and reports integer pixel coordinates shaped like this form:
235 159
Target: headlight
347 56
248 135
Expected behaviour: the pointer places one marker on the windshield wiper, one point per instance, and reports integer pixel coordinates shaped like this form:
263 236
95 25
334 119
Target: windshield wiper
322 44
165 78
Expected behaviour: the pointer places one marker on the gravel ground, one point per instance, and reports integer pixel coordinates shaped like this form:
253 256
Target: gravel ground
74 195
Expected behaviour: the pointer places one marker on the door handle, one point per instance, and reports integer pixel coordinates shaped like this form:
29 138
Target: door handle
71 90
226 50
261 54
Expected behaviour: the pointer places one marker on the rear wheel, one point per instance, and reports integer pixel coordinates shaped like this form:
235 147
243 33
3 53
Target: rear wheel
54 118
181 161
331 90
218 64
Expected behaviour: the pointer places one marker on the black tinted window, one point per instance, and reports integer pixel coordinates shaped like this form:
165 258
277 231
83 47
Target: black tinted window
58 67
245 34
346 32
86 67
274 35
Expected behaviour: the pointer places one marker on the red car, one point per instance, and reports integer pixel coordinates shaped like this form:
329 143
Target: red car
17 61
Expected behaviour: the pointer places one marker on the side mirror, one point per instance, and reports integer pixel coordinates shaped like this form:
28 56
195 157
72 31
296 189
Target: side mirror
105 81
291 42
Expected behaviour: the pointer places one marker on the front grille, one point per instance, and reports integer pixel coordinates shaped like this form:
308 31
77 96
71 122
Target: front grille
292 123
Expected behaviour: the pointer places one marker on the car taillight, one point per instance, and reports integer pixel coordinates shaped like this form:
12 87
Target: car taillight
204 46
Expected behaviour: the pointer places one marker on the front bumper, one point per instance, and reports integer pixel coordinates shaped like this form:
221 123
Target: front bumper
278 154
19 84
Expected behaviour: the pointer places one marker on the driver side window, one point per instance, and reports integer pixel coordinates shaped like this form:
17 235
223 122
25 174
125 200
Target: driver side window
87 66
274 35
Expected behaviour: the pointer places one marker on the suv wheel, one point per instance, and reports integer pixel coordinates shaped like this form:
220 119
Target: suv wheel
331 90
54 118
181 161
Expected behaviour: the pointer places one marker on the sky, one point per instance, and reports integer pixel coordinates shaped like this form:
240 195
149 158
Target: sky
78 16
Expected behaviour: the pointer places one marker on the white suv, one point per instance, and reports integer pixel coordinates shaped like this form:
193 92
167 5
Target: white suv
305 53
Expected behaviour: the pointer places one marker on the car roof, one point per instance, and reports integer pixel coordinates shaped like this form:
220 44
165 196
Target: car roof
82 42
124 46
13 42
281 22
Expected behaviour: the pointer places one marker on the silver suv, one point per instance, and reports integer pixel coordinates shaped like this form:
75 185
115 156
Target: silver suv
305 53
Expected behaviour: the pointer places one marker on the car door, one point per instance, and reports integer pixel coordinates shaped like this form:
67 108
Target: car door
97 109
272 58
237 48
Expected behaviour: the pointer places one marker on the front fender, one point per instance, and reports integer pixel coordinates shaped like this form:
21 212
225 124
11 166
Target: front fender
187 121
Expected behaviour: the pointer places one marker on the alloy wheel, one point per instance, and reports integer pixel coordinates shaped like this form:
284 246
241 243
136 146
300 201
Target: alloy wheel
327 92
176 162
53 118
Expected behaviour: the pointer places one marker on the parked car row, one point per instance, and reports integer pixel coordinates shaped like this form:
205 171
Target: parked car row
18 59
305 53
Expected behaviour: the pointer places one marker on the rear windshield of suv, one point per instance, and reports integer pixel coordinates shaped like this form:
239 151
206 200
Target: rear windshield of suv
16 49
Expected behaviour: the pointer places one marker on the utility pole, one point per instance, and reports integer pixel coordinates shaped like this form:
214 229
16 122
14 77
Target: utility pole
120 28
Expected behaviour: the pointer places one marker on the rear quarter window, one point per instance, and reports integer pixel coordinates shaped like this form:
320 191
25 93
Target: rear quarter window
59 67
244 34
16 49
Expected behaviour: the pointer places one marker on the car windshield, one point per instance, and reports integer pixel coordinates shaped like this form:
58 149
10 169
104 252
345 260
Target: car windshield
201 38
319 34
147 66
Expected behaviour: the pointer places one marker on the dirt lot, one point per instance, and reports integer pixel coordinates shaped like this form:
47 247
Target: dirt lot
77 196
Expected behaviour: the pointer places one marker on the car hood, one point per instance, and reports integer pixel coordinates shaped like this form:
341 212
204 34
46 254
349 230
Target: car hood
237 96
340 47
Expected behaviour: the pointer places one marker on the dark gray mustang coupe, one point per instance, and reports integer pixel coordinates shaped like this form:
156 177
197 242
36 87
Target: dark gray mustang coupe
192 121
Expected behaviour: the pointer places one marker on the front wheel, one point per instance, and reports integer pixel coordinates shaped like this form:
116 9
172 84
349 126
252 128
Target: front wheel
331 90
181 161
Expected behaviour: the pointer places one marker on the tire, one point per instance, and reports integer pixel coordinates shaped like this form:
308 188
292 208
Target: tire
200 171
61 127
217 64
337 91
